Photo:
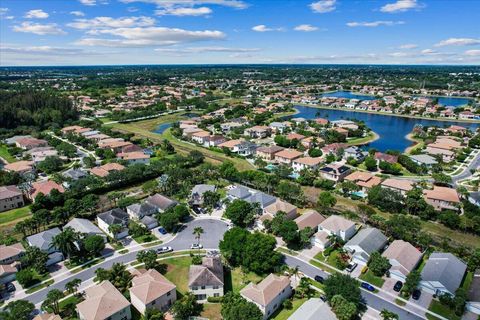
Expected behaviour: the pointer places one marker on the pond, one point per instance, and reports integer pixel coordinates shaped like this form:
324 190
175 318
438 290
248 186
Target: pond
348 95
164 126
391 129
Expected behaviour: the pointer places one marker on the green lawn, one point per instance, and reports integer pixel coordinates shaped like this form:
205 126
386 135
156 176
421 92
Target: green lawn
372 279
211 311
331 259
284 314
467 280
442 310
14 214
6 155
287 251
145 238
235 280
177 272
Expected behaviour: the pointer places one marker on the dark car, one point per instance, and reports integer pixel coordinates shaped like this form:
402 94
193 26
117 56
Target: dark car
323 298
10 287
416 294
162 230
398 286
368 286
319 279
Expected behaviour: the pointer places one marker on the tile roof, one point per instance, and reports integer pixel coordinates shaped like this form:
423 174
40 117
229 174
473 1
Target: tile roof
264 292
7 192
280 205
310 218
161 202
209 273
45 187
13 250
444 268
401 184
19 166
336 223
289 154
150 286
443 194
405 254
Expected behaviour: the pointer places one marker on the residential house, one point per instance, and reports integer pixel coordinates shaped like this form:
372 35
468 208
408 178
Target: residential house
287 156
442 274
134 157
151 290
399 185
312 142
44 187
354 153
313 309
384 157
214 140
47 316
206 280
43 241
239 146
28 143
40 154
403 257
306 163
22 167
85 227
335 172
10 261
278 127
74 174
309 218
364 243
140 210
424 159
268 153
364 180
321 121
160 202
227 127
334 148
104 170
201 137
295 136
333 225
10 198
473 295
113 217
104 302
446 155
258 131
196 196
269 294
262 199
442 198
238 193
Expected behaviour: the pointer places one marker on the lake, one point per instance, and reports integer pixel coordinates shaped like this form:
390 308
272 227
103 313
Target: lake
164 126
391 129
348 95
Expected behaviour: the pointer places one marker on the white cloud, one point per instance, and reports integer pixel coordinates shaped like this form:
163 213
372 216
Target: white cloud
264 28
305 28
3 11
205 49
472 53
109 22
408 46
236 4
36 14
323 6
37 28
374 23
458 42
39 50
184 11
401 6
77 13
150 36
88 2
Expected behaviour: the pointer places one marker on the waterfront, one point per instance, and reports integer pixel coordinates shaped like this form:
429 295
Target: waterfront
392 130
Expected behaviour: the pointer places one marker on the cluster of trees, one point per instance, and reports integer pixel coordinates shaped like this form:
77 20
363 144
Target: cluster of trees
252 251
286 228
411 166
242 213
344 296
172 217
378 264
235 307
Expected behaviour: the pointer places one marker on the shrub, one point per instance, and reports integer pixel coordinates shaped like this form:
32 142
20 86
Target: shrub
215 299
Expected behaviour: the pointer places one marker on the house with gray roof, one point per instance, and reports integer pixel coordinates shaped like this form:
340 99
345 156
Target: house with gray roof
263 199
473 296
239 192
424 159
196 196
113 217
160 202
85 227
43 241
313 309
206 280
149 222
442 274
140 210
74 174
364 243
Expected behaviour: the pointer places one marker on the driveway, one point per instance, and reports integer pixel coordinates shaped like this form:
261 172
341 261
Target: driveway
424 302
388 287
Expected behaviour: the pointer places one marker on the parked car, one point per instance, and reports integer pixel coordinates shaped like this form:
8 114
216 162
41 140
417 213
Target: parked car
351 267
368 286
416 294
10 287
319 279
162 230
398 286
164 250
323 298
196 246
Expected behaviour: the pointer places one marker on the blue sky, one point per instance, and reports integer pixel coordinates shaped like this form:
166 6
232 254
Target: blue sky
87 32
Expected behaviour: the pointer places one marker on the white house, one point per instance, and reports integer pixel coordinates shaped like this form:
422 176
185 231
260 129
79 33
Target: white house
113 217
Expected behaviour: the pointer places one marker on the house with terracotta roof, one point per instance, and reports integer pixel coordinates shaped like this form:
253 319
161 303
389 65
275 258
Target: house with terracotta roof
28 143
115 146
334 148
104 302
311 142
442 198
286 156
403 257
390 158
22 167
206 280
295 136
321 121
364 180
269 294
309 218
281 206
308 163
44 187
134 157
268 153
10 261
239 146
151 290
399 185
10 198
104 170
70 129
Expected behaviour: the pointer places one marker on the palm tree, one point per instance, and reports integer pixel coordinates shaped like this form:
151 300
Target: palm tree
198 231
52 300
72 286
388 315
295 271
120 277
66 242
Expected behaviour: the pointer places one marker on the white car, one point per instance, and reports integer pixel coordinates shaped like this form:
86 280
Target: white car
164 250
196 246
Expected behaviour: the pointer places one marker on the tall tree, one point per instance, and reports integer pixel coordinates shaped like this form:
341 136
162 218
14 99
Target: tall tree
66 241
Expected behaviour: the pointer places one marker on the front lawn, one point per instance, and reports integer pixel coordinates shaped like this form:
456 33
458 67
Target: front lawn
211 311
284 314
145 238
14 214
177 272
442 310
236 280
331 259
6 155
372 279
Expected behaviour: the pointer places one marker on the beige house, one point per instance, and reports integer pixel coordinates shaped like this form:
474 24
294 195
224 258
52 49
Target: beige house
10 261
271 211
104 302
310 218
364 180
47 316
269 294
442 198
287 156
268 153
150 289
306 163
403 257
206 280
10 198
401 186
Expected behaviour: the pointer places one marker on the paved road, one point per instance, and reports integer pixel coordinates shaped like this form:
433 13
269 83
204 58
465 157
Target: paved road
474 164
